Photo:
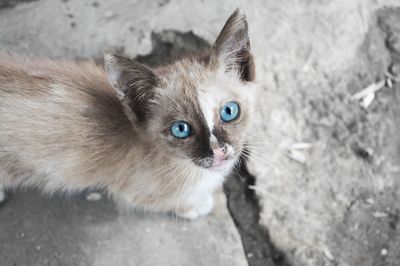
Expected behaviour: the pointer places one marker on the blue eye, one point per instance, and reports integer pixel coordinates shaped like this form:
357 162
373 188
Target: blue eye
180 129
229 112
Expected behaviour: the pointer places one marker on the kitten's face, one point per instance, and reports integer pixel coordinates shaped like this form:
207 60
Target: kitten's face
197 109
202 113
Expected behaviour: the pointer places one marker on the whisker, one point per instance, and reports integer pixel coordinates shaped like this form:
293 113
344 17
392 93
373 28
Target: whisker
263 143
266 150
182 191
173 180
168 170
269 164
272 163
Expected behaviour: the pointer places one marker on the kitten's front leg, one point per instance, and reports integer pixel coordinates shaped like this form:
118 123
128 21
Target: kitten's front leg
196 205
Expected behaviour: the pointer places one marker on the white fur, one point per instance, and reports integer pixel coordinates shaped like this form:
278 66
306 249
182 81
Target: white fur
202 204
200 196
208 105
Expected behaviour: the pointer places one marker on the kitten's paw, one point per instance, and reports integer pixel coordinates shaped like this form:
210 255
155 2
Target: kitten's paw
190 214
199 206
205 204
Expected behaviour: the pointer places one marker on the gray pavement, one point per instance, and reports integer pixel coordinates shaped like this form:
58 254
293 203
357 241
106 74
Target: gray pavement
60 230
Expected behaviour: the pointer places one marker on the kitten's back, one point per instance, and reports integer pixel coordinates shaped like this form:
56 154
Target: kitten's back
64 113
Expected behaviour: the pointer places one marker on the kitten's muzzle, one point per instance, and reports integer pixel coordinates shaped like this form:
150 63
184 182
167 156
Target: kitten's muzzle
204 162
218 156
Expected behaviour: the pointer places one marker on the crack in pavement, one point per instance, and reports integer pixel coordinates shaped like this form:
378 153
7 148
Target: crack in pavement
244 207
13 3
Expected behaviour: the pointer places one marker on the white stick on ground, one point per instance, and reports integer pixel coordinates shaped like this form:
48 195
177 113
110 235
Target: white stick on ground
296 151
367 100
374 87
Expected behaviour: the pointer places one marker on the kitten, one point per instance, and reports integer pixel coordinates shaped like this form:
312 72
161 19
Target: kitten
161 139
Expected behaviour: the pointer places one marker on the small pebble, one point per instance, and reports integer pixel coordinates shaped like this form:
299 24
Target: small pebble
109 14
380 214
356 226
94 196
389 83
362 152
328 254
395 69
297 156
370 201
384 252
250 255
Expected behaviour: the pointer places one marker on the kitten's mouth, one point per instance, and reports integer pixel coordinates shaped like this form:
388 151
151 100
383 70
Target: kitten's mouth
213 164
224 164
219 162
204 163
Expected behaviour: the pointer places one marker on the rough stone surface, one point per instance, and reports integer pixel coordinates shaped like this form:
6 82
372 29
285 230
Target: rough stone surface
341 206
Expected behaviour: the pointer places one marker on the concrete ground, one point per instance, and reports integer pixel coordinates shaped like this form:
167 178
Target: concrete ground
334 201
38 230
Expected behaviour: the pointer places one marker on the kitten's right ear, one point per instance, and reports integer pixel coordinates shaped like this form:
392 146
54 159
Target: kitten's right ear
133 82
232 46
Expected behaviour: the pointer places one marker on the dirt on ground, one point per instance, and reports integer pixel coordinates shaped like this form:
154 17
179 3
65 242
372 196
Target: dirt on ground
331 193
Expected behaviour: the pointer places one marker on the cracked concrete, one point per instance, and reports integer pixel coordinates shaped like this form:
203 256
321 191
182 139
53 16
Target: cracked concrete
338 207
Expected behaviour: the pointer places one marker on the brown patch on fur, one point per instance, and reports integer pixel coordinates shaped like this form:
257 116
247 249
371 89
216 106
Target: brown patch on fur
133 82
14 170
62 109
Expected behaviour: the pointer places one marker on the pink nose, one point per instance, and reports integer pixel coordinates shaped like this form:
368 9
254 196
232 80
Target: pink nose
219 156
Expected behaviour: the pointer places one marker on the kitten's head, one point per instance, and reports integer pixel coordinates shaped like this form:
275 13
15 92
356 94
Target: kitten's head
198 108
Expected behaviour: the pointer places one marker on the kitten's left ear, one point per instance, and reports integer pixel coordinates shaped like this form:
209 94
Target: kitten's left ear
133 82
232 46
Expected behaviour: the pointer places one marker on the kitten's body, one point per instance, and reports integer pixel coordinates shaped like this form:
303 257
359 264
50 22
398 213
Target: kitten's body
68 126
